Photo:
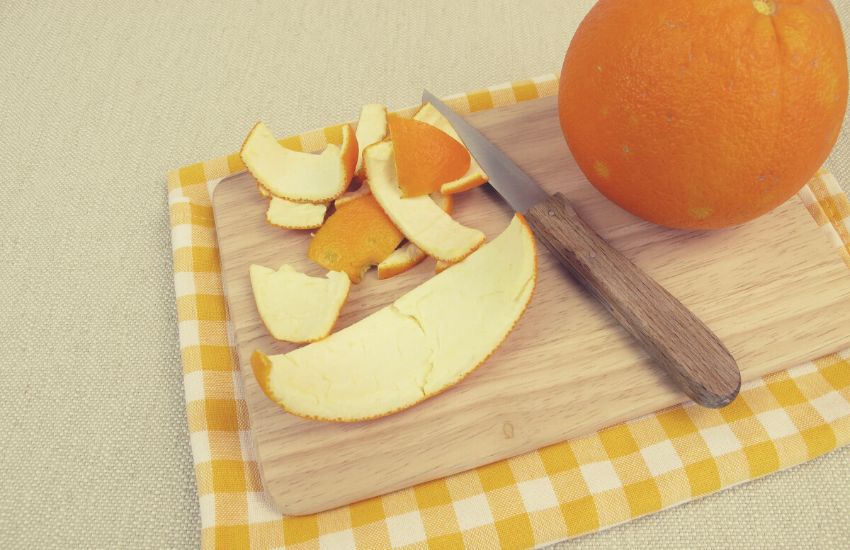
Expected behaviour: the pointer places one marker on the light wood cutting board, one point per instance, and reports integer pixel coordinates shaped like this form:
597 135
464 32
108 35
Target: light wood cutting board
773 290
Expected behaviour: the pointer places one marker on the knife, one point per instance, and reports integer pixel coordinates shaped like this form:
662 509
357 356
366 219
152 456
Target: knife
692 355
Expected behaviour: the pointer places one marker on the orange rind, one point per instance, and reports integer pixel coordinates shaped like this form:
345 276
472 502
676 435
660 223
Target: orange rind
361 191
404 258
420 219
295 215
424 343
408 255
441 266
474 175
295 307
354 238
297 176
425 156
371 128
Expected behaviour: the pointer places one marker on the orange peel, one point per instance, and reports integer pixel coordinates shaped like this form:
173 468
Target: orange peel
424 343
404 258
441 266
371 128
354 238
295 307
425 156
297 176
420 219
408 255
295 215
361 191
475 175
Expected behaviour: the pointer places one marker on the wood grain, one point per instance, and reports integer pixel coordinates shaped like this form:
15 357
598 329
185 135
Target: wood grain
773 290
694 358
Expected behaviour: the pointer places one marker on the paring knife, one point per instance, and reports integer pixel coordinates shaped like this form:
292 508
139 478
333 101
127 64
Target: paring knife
674 337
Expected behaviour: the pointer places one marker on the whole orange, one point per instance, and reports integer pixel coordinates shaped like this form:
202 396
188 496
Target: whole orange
703 113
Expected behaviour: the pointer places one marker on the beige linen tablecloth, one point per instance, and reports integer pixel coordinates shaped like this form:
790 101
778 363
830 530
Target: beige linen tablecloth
98 101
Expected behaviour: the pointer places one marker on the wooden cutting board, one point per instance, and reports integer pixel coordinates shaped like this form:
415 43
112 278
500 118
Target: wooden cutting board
773 290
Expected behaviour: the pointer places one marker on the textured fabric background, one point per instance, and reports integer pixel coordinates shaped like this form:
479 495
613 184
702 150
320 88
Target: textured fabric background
99 101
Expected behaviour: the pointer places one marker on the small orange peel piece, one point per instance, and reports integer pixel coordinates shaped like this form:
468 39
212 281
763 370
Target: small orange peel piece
296 307
295 215
262 367
354 238
408 255
404 258
441 266
361 191
371 128
297 176
426 157
424 343
475 175
420 219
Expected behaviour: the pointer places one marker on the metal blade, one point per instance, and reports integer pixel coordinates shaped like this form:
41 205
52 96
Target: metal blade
515 186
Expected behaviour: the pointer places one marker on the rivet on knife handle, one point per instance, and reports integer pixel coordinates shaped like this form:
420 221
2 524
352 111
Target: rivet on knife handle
671 334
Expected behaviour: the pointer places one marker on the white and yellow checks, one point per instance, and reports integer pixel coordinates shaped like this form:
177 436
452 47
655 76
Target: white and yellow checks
558 492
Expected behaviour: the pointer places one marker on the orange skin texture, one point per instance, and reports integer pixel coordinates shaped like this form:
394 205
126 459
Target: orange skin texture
699 114
425 156
358 235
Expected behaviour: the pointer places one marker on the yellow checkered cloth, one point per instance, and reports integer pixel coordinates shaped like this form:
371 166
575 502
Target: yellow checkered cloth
569 489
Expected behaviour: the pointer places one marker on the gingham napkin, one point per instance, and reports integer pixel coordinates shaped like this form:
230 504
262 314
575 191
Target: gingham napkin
572 488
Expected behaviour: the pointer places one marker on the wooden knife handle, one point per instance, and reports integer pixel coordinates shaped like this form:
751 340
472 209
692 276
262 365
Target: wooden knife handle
673 336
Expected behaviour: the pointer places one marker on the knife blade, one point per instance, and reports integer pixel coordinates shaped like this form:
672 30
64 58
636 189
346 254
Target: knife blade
691 355
512 183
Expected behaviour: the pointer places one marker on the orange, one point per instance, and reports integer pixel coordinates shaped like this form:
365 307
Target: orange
354 238
703 114
426 157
